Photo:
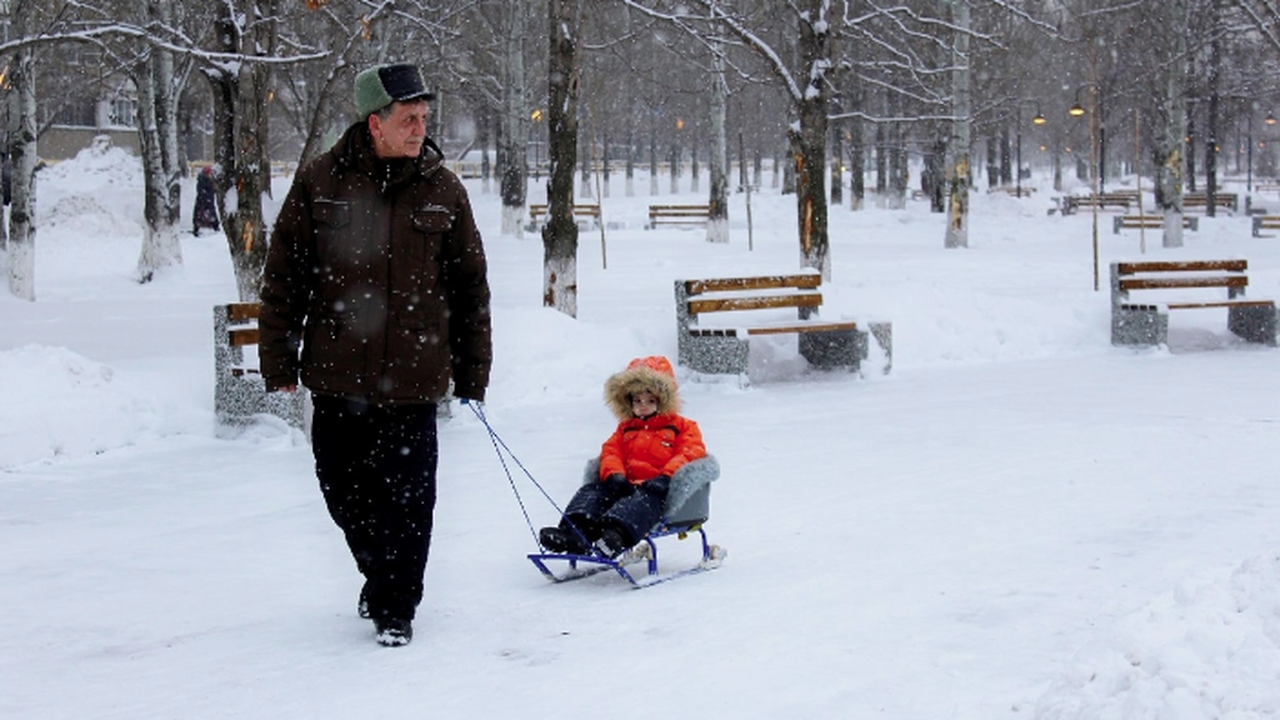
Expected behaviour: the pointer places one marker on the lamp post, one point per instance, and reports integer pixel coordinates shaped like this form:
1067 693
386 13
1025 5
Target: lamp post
536 117
1077 110
1039 119
1271 120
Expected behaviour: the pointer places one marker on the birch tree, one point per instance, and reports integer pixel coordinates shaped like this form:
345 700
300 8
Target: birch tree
153 77
1173 113
958 170
24 17
23 154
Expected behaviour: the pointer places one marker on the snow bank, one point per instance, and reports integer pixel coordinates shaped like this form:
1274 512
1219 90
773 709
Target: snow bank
60 403
1208 649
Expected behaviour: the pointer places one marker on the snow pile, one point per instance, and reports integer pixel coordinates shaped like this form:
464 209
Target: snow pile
1209 649
61 403
96 193
96 165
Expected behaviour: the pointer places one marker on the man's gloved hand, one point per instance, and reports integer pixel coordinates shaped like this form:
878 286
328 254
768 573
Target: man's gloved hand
658 486
618 484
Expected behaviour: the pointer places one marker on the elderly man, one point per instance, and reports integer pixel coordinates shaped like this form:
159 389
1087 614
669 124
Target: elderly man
375 295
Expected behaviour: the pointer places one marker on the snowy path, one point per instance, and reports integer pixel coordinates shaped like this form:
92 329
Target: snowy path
874 571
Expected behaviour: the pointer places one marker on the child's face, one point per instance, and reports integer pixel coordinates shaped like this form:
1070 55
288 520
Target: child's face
644 404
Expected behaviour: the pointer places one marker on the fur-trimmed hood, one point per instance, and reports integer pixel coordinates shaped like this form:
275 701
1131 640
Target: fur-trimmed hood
648 374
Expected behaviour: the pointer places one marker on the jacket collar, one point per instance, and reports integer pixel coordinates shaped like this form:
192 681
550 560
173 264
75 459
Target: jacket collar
354 152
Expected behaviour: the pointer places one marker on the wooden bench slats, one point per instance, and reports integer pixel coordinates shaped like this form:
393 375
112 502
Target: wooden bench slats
797 327
698 287
808 300
1221 303
777 329
242 336
679 214
1129 268
242 312
1227 281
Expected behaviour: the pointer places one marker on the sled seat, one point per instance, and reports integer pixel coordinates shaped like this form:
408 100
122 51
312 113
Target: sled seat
688 497
687 508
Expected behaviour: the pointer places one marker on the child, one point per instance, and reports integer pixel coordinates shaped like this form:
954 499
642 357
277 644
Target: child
650 443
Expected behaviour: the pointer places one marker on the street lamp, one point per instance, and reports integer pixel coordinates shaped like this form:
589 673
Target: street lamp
536 117
1078 110
1270 120
1039 119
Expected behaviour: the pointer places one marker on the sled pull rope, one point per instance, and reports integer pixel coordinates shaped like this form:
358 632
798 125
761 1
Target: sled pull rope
498 447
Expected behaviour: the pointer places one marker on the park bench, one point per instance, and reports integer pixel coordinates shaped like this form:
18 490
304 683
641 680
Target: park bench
1150 222
1267 187
1265 222
239 394
723 347
1200 201
1102 201
538 213
1011 190
678 215
1147 323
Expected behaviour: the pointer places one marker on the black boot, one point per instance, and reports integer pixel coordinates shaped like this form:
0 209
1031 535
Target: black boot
612 542
561 540
393 632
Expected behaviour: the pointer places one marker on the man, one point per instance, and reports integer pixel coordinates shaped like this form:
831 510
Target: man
374 296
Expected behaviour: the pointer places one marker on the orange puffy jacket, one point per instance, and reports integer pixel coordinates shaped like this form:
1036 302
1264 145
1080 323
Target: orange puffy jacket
642 449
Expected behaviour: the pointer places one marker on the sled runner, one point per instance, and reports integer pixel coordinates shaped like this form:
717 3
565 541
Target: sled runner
686 511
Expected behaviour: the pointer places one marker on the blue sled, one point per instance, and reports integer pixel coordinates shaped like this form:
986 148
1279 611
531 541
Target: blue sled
581 566
688 505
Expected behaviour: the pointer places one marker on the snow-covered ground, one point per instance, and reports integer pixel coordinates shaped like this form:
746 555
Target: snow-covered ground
1020 521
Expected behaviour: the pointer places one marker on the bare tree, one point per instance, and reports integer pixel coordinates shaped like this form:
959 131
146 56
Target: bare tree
958 169
515 119
560 234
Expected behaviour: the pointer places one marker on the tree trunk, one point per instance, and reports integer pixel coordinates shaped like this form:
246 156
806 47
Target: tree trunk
1214 131
157 140
958 171
1174 115
23 151
240 129
809 142
514 140
718 202
837 163
857 166
560 234
160 247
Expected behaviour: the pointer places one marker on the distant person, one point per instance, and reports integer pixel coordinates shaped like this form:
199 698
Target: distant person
375 294
651 442
206 212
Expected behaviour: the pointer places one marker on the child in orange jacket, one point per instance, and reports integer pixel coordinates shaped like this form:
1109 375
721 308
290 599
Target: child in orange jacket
650 443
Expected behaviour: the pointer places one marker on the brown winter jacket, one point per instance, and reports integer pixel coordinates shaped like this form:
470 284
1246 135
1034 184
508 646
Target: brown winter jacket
378 272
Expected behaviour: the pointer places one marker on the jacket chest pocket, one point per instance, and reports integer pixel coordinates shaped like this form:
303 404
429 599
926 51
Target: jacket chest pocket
429 223
331 214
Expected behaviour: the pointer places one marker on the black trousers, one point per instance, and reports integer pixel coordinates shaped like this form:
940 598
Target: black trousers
377 469
631 511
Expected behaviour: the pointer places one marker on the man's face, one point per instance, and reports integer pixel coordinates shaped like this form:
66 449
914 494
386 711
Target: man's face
401 133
